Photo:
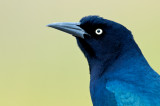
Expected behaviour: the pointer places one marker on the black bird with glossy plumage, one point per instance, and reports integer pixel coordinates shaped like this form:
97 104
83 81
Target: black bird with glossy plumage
119 73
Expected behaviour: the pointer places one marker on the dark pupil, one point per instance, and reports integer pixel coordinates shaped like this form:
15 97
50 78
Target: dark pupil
98 31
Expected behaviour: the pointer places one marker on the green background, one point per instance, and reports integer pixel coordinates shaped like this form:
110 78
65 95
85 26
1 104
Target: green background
41 66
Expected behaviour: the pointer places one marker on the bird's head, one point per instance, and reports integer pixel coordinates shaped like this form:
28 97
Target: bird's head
97 37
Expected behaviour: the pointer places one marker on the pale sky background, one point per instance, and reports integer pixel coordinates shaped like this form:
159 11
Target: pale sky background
40 66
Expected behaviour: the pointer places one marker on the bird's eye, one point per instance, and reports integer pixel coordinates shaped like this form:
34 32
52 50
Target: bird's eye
98 31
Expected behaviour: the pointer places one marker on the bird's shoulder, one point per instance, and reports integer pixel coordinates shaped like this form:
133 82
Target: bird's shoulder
130 95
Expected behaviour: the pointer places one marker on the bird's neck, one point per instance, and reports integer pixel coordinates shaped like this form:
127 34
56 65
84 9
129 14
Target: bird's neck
98 66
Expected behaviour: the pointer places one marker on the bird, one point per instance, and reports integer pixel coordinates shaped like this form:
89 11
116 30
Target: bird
119 73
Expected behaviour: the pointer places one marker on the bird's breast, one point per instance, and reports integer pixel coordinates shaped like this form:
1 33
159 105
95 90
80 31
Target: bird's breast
100 95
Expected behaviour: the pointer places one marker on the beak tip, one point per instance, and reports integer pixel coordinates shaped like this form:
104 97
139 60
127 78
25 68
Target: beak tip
49 25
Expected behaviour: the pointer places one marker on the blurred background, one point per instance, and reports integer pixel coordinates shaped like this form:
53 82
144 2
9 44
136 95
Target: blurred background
41 66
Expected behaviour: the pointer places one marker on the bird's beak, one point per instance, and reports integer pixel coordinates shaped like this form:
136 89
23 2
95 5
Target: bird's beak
69 27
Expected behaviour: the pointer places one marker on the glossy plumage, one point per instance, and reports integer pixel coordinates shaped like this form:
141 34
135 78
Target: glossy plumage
119 73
